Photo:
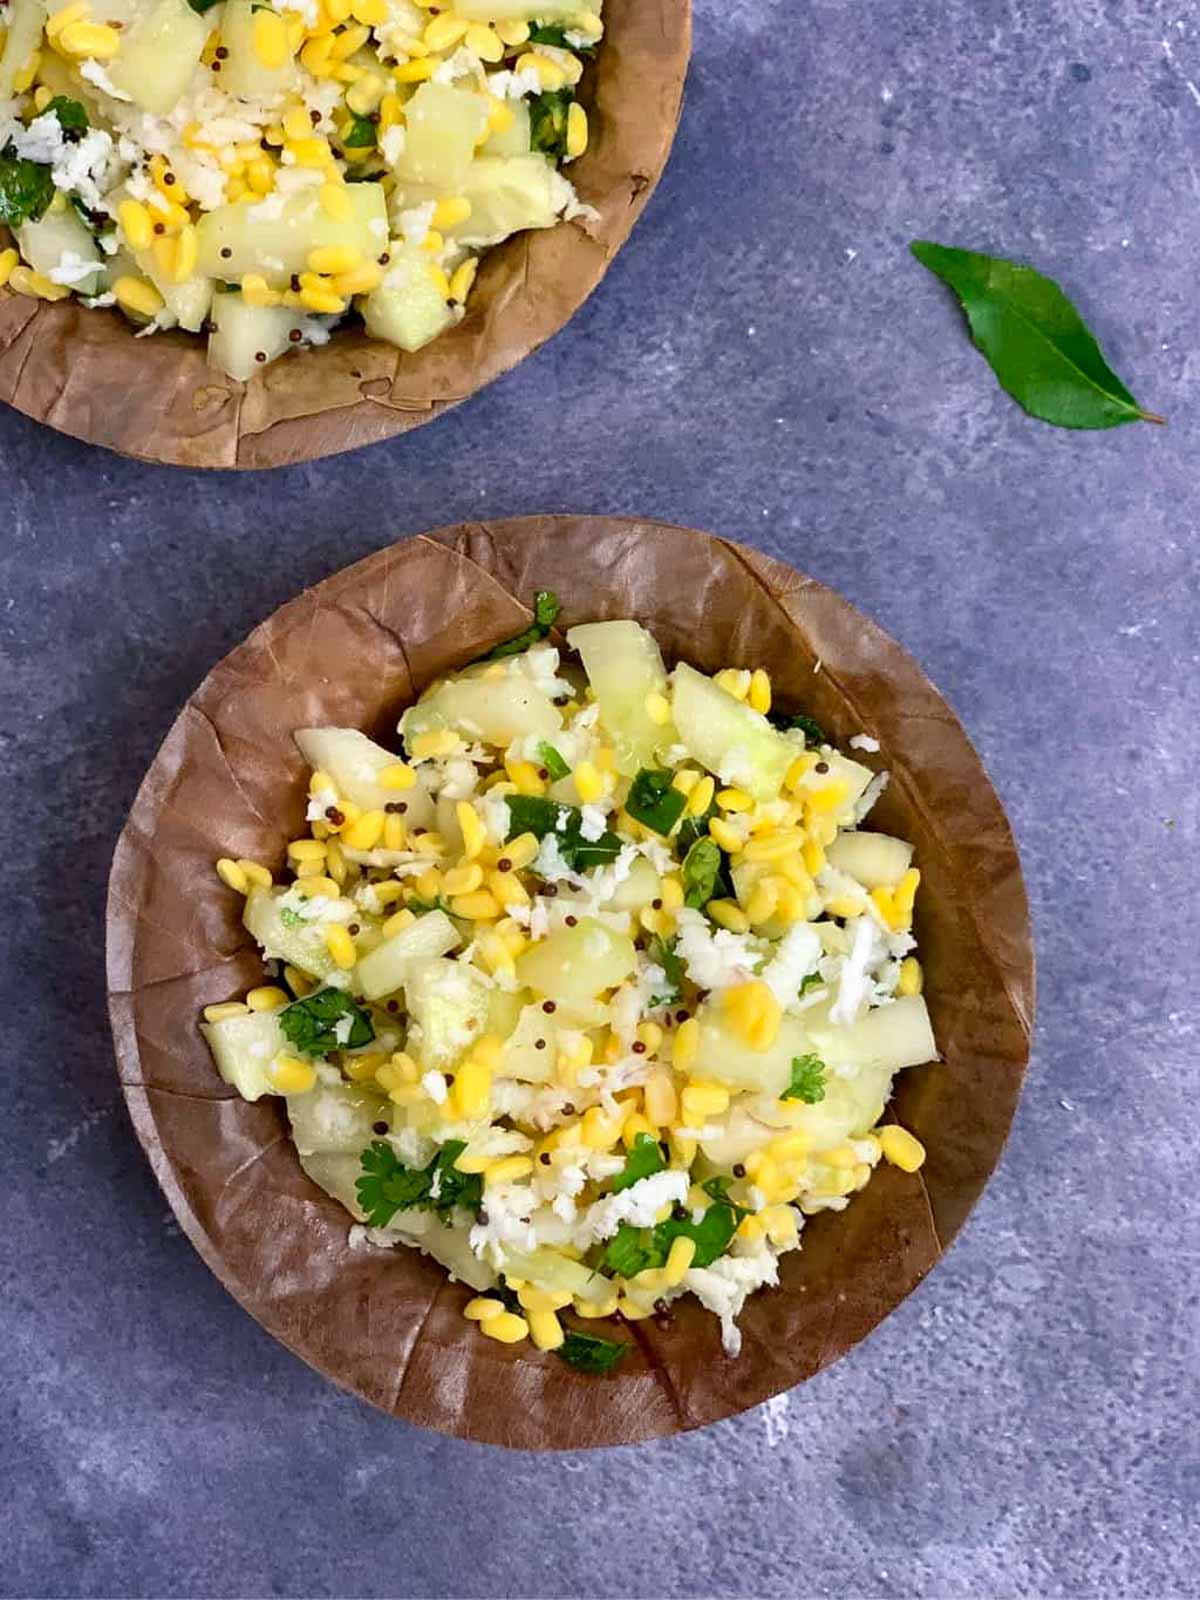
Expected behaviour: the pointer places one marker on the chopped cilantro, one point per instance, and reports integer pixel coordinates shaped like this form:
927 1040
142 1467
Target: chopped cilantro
713 1234
631 1250
643 1161
663 955
628 1252
701 871
588 1352
808 1080
811 980
717 1188
546 608
310 1025
653 802
422 908
72 118
201 6
548 122
98 224
360 135
552 761
814 733
26 190
693 828
386 1185
290 918
532 814
553 33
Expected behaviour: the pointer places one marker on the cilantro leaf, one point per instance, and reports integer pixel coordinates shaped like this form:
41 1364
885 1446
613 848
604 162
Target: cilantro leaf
814 733
97 223
290 918
713 1234
808 1080
701 872
360 135
530 813
386 1185
546 608
811 980
548 122
631 1250
588 1352
717 1188
653 802
643 1161
26 190
72 118
555 34
454 1188
663 955
422 908
628 1252
310 1025
552 761
201 6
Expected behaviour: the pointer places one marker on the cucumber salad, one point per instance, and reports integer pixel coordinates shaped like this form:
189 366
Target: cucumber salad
261 169
594 991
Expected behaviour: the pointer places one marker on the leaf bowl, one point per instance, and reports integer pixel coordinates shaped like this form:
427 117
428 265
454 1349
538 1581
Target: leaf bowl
228 780
88 375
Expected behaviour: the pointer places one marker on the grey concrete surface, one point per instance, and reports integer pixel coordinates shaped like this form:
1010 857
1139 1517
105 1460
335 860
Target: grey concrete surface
764 361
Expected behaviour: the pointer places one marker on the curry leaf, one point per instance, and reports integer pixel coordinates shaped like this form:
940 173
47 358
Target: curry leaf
1035 341
653 801
546 608
534 814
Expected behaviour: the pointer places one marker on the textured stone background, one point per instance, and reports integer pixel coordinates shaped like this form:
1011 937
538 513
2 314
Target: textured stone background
766 362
